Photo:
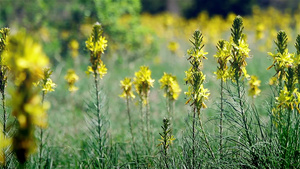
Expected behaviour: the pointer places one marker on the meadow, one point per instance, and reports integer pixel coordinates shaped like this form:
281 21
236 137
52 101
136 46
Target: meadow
211 112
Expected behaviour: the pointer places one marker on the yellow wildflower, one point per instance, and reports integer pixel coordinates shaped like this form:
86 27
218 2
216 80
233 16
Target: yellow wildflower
171 86
143 82
199 54
101 70
126 86
71 78
288 99
96 43
223 55
196 93
239 52
46 82
49 86
282 59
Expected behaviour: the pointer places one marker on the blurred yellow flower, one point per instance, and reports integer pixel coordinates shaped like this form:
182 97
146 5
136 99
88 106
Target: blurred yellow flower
37 111
71 77
259 31
49 86
74 46
173 46
254 84
171 86
25 55
28 62
126 86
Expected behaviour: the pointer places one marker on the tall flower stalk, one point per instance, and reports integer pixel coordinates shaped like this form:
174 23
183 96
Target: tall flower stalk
3 80
196 93
285 113
126 86
223 56
281 59
172 90
28 61
143 82
47 86
238 72
96 44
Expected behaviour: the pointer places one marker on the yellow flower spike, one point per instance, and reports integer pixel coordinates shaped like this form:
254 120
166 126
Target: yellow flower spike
96 44
71 77
126 86
143 82
171 86
223 56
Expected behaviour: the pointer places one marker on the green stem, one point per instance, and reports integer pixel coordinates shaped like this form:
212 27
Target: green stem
41 137
244 118
287 130
4 113
147 120
4 124
131 130
96 81
205 137
194 138
221 120
168 104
